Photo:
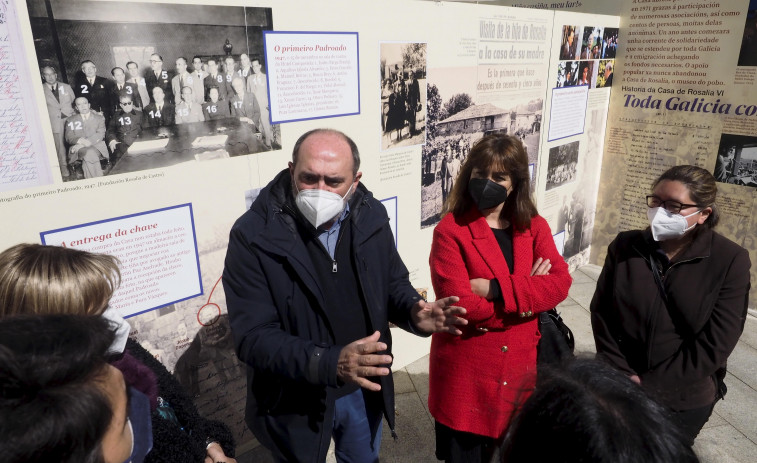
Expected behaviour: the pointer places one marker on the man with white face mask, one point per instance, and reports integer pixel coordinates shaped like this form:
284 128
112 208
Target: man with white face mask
312 279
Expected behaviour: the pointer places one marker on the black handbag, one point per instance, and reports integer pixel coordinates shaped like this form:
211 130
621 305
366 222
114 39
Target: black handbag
557 343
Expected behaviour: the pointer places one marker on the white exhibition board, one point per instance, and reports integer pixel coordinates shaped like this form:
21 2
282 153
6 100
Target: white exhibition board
503 59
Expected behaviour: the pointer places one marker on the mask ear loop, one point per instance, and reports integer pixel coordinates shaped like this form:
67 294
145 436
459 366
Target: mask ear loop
131 431
348 191
687 216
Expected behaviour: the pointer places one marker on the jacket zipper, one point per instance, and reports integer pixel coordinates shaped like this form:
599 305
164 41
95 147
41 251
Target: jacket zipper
665 272
662 278
333 259
289 210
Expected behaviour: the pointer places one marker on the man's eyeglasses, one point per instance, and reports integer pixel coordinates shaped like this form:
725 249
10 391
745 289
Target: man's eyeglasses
674 207
126 103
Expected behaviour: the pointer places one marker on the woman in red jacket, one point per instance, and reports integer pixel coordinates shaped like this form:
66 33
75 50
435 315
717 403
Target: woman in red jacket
497 254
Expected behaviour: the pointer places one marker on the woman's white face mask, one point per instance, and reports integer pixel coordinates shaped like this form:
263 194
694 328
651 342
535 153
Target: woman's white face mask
667 225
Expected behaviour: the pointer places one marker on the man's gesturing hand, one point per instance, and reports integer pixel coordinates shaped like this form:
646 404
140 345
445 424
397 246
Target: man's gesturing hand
440 316
358 361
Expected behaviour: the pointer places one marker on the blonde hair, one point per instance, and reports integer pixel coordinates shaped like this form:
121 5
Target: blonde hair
37 279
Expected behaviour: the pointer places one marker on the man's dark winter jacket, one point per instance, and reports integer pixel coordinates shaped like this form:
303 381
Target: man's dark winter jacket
282 327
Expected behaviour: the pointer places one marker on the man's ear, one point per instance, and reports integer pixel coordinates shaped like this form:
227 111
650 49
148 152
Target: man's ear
357 177
291 168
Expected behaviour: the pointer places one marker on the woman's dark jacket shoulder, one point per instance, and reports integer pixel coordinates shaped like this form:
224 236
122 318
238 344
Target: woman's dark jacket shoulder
171 444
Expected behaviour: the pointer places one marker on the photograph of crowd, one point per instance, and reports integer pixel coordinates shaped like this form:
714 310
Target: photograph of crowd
737 160
403 94
455 123
161 85
561 166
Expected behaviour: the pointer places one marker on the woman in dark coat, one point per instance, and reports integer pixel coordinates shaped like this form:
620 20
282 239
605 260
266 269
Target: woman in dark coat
397 111
671 300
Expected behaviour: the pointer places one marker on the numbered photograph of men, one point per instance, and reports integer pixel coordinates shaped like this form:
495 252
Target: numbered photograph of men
403 94
134 86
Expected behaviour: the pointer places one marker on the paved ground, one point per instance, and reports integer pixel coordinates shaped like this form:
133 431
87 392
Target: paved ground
730 436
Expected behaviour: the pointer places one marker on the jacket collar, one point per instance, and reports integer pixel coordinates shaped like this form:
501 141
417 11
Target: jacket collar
280 216
488 246
699 248
279 220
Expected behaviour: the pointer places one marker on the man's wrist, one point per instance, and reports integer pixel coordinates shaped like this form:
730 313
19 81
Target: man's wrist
415 317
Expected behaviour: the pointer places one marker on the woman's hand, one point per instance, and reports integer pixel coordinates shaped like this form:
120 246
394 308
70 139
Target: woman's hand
215 454
482 287
541 267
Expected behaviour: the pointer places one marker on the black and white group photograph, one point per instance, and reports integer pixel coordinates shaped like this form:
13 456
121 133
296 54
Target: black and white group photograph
561 167
456 121
136 86
737 160
403 94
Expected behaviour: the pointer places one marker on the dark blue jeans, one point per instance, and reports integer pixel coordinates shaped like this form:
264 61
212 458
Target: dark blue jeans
353 420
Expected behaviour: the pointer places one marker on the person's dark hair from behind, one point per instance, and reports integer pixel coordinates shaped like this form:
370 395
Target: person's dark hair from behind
586 411
52 404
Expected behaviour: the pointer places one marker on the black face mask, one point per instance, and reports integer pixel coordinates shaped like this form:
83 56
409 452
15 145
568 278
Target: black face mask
486 194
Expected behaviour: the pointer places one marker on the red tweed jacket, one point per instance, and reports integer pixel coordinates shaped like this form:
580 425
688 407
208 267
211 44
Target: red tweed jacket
477 379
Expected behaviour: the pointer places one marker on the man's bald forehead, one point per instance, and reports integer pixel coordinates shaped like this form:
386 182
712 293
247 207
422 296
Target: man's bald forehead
307 137
334 138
